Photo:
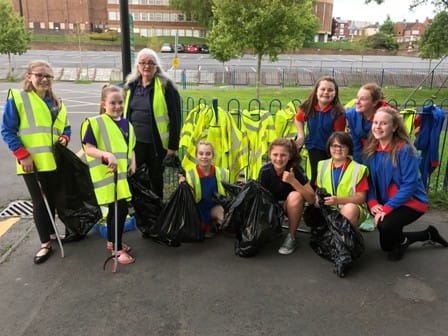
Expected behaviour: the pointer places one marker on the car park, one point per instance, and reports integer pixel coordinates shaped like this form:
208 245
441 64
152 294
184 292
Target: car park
166 48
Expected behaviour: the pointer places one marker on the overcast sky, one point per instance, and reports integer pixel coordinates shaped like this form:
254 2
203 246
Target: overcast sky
397 10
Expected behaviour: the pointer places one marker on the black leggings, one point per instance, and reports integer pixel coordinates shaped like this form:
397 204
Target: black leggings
153 157
122 212
391 228
50 187
316 155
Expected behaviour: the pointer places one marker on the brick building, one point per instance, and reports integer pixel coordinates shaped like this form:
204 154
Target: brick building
62 15
150 17
323 10
410 31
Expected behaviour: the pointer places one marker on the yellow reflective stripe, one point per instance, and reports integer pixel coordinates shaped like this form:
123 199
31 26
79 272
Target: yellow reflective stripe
162 118
32 130
28 108
38 150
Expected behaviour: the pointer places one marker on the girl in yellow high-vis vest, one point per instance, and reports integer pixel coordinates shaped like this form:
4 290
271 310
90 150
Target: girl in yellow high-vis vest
33 121
206 179
343 178
108 141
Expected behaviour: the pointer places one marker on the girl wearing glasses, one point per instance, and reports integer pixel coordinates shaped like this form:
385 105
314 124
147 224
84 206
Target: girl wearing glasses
152 106
34 119
344 179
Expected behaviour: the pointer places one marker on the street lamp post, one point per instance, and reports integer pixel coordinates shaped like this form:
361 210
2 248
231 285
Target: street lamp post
125 38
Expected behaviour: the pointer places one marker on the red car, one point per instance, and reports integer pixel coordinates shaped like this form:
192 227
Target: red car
192 49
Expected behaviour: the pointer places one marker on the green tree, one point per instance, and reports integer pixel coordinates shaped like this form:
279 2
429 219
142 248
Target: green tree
265 27
387 27
384 39
14 38
434 41
381 41
196 10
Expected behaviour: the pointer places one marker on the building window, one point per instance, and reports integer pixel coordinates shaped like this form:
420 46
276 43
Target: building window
180 17
113 2
114 16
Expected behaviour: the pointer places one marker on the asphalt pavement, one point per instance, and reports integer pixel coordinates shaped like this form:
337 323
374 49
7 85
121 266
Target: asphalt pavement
204 289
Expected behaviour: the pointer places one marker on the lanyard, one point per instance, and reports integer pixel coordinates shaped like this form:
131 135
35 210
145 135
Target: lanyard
336 175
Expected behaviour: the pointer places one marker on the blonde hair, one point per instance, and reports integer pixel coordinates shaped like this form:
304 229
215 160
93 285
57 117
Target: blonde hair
205 143
28 85
105 91
399 136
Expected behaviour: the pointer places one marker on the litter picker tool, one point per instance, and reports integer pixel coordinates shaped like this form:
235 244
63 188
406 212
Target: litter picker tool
53 223
115 256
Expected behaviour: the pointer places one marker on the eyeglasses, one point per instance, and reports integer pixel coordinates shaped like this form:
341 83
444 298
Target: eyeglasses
341 147
150 64
40 76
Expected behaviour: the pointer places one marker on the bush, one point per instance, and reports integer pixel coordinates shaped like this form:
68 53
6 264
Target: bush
110 35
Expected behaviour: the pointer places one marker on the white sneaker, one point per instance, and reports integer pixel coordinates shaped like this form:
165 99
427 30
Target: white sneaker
289 245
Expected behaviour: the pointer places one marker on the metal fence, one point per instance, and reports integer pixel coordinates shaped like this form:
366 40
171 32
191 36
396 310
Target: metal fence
438 180
293 77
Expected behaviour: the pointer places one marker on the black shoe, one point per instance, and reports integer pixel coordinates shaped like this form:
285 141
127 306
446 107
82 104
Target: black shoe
42 258
396 254
435 236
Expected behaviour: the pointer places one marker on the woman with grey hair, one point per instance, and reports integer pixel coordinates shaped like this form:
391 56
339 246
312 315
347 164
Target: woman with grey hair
153 108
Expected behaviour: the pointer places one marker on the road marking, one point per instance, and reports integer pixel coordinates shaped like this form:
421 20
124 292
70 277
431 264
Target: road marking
6 224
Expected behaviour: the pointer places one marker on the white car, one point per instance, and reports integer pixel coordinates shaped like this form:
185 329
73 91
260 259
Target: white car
166 48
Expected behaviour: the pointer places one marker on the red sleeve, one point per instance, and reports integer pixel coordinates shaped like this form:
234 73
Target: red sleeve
21 153
363 185
339 123
300 116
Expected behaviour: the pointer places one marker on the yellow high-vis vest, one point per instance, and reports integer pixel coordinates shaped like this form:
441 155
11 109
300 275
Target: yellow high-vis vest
37 131
195 182
109 138
160 110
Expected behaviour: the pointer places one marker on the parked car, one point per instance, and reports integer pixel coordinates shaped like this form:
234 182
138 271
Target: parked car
166 48
192 49
180 48
203 49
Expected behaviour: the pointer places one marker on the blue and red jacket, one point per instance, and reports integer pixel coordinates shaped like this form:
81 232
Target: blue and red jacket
321 126
396 186
360 129
428 125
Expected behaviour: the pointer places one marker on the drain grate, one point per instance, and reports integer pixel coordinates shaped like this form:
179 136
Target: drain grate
18 208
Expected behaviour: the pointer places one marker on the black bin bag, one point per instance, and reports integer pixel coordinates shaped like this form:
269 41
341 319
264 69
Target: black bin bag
340 242
255 217
231 191
146 204
76 204
179 220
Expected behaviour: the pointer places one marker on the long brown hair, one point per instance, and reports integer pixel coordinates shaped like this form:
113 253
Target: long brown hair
399 136
28 85
308 105
293 150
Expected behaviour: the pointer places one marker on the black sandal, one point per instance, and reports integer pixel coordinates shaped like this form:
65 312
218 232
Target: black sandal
42 258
